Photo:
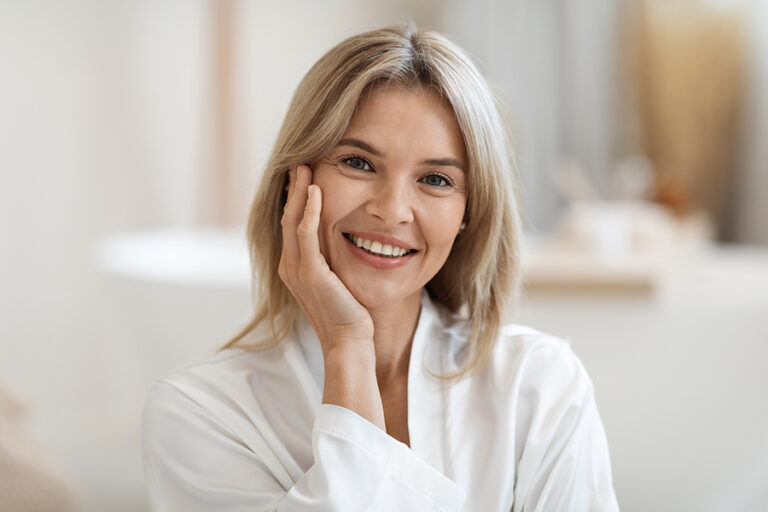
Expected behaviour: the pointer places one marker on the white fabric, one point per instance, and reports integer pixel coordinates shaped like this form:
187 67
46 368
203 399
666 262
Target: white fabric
246 431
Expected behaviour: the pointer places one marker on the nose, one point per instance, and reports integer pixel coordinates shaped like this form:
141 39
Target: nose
392 203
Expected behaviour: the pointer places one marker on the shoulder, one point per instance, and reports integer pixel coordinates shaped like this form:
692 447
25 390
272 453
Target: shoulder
216 390
202 430
207 369
187 394
224 369
541 384
561 451
533 358
232 370
180 434
521 355
525 366
220 405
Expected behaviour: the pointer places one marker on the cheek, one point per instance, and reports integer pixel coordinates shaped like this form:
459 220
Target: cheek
326 223
442 225
320 178
341 195
331 210
451 213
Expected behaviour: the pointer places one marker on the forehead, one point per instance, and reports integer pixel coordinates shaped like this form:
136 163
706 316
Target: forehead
413 119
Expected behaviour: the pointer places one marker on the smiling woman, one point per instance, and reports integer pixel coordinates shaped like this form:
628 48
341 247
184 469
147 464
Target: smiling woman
375 374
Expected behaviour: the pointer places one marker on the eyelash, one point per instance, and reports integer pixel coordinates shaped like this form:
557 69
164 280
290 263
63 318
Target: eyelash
345 160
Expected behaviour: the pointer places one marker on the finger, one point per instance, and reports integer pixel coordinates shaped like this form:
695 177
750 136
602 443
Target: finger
290 188
298 200
293 177
309 245
293 211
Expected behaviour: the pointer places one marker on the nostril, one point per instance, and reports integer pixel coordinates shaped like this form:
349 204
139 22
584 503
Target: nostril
391 206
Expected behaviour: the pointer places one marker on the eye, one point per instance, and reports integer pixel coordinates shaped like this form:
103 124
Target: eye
437 180
358 163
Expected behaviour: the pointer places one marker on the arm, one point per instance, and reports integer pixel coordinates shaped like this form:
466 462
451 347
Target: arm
195 463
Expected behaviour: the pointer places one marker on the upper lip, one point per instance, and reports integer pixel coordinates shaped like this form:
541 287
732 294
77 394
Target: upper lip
384 239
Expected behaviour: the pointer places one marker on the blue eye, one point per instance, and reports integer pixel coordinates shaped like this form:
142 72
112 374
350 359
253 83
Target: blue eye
437 180
358 163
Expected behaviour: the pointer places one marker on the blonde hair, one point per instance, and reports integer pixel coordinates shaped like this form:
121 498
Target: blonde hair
481 273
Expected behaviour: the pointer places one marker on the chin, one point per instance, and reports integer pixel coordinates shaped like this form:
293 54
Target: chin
381 296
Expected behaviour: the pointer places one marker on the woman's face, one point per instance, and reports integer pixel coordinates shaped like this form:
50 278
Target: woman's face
394 192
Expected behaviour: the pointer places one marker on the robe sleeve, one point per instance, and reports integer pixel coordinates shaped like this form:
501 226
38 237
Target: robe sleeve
193 463
565 463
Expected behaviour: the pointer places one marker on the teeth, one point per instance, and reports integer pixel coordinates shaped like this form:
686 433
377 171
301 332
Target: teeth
378 247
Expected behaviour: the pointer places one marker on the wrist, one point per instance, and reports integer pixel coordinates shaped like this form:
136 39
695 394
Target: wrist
350 380
357 352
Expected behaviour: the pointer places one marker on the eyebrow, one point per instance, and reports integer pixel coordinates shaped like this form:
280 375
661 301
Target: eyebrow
370 149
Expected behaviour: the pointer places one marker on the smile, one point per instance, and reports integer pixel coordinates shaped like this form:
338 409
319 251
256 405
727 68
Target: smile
377 248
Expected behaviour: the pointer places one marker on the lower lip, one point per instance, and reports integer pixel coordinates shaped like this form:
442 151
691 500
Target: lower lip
378 261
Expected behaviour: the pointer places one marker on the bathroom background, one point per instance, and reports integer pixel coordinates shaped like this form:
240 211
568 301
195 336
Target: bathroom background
131 138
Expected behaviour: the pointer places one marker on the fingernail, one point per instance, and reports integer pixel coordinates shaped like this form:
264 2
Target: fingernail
298 172
310 191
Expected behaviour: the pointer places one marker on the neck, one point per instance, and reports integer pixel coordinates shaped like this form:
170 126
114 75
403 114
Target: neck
394 327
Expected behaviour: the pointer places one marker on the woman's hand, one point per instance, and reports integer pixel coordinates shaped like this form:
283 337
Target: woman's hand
335 314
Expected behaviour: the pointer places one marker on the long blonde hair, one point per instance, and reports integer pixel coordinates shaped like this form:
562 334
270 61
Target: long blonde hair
481 273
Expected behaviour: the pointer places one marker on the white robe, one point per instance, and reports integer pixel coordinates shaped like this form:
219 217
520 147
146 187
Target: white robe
246 431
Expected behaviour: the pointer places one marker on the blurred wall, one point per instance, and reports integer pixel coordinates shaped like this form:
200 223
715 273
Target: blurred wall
99 133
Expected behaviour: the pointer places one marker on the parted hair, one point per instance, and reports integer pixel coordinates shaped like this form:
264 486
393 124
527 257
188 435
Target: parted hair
481 275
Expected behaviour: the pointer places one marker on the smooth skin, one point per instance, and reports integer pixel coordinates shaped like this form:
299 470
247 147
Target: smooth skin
407 180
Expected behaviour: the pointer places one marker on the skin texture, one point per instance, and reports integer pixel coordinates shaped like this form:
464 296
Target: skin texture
407 181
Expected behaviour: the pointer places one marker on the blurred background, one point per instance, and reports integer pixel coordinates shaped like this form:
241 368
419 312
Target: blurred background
132 134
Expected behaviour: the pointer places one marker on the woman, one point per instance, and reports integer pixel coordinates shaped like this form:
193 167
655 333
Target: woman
376 374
